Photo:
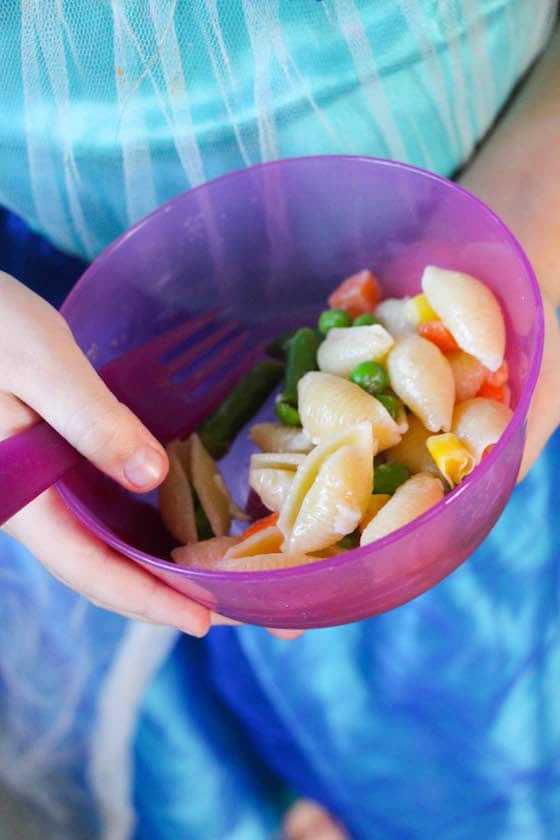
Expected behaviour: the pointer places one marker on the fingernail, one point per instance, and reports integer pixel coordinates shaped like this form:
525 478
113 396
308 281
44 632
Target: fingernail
144 468
198 630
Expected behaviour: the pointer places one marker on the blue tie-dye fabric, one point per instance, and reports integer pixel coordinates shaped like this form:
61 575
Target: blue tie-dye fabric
437 720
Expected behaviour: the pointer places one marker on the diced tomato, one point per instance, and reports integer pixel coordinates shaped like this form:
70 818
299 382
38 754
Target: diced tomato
357 295
499 377
260 525
438 334
500 393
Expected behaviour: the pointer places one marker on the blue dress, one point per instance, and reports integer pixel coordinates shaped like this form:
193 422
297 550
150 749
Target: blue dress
438 719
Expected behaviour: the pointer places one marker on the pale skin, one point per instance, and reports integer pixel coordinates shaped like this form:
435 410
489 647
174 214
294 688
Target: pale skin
36 346
517 172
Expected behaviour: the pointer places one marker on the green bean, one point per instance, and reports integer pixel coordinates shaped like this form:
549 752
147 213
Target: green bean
388 477
277 347
288 414
350 540
219 429
203 528
301 358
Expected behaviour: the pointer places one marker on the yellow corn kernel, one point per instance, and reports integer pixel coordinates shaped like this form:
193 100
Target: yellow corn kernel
453 459
417 311
376 502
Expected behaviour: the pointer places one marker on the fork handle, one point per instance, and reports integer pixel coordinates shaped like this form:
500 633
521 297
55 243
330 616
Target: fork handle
30 462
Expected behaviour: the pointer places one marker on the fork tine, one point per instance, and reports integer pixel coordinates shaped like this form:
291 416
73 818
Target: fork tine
170 339
217 361
209 401
194 351
234 375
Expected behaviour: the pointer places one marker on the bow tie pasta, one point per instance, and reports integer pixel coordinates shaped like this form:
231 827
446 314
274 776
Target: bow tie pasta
385 407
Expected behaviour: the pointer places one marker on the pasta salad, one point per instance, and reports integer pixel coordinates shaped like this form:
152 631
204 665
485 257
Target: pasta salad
385 407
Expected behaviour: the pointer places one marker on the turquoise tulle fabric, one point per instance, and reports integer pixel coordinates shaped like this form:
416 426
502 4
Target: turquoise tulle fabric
110 108
438 720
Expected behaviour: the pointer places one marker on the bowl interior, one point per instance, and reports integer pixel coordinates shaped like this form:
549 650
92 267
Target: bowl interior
274 241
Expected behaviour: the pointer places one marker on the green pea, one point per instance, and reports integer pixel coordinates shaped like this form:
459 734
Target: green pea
365 320
333 318
371 376
387 477
288 414
392 404
350 540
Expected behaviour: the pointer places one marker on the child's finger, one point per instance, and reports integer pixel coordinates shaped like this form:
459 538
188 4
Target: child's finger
16 416
106 578
44 367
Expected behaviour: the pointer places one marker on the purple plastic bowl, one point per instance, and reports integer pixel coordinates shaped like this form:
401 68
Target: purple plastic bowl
277 239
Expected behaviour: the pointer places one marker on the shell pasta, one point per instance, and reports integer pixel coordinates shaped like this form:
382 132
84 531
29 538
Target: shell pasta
386 407
421 376
330 493
345 348
274 437
470 312
392 314
329 404
480 423
271 476
412 451
411 499
468 374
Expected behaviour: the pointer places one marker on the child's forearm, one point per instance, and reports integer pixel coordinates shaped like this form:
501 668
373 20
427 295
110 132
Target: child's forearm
517 170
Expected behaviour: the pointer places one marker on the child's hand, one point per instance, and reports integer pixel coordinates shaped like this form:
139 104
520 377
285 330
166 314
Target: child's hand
43 372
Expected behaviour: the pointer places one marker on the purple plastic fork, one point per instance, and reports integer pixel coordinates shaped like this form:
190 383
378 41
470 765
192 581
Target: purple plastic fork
172 382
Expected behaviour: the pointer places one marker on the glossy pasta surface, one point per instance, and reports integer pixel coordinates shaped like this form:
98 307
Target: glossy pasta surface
387 406
470 312
421 376
329 404
415 497
330 493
